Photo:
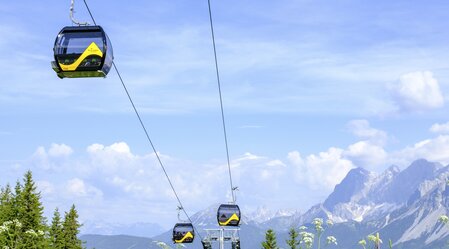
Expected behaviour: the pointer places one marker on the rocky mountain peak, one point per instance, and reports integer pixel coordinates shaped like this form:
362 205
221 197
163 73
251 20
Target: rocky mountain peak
353 183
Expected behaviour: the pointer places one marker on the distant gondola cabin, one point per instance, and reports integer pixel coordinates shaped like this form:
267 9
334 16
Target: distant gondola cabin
82 51
228 215
183 233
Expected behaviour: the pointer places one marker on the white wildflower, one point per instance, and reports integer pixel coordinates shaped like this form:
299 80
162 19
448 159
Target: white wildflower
318 222
3 228
331 240
444 219
31 232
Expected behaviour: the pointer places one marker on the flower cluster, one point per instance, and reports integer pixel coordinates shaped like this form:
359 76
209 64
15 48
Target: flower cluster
14 222
3 228
444 219
307 238
8 224
331 240
318 222
34 233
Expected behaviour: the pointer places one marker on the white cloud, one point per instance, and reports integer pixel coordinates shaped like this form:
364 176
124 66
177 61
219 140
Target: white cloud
323 170
54 159
366 155
295 158
440 128
78 188
45 187
110 159
120 147
112 176
417 91
60 150
435 149
362 129
40 152
276 163
135 187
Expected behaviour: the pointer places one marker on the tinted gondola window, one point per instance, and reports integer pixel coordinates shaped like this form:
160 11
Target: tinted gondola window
184 228
71 45
77 42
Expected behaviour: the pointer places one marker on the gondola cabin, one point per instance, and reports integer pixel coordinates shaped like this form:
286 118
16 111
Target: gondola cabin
228 215
82 51
183 233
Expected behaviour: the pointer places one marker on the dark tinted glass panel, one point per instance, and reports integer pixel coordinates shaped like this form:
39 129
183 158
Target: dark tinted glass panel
77 42
183 228
229 210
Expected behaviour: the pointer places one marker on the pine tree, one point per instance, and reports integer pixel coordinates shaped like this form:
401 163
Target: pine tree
24 216
6 202
70 230
270 240
55 233
16 201
30 209
293 242
9 213
30 214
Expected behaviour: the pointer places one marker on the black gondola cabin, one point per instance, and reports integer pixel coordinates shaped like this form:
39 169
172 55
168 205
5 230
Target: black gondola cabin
228 215
183 233
82 51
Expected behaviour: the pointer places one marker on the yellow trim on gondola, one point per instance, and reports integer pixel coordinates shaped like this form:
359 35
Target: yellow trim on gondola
187 236
233 217
93 49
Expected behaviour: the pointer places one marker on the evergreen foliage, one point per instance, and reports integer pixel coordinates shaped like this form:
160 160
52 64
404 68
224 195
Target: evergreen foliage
30 208
56 239
70 230
23 226
6 204
270 240
293 242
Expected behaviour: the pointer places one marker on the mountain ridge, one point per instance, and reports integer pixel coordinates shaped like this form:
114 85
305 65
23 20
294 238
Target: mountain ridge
403 205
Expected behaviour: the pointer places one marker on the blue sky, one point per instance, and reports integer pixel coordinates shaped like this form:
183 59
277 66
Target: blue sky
311 89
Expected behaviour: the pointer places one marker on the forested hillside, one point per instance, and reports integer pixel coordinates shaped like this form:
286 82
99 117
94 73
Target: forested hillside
23 226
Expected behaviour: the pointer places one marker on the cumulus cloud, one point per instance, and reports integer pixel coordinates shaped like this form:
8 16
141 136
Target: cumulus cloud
78 188
369 152
295 158
112 176
120 148
434 149
417 91
322 170
440 128
54 158
367 155
45 187
59 150
362 129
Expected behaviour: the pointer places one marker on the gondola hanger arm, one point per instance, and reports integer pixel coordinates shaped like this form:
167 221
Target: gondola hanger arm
74 21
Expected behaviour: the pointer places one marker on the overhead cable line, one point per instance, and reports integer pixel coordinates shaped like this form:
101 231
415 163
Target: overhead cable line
147 133
221 103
